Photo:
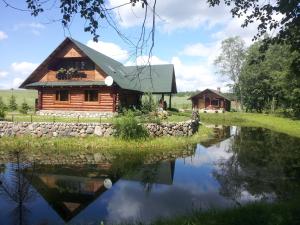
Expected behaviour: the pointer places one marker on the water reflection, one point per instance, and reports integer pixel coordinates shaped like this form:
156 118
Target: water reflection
238 166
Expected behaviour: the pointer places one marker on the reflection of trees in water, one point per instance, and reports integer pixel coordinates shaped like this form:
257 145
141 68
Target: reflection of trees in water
149 176
263 163
16 188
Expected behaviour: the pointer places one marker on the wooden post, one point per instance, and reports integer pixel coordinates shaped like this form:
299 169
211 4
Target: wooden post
170 101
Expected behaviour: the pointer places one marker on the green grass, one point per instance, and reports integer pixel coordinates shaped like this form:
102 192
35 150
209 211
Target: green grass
28 95
31 117
281 213
69 145
181 102
275 123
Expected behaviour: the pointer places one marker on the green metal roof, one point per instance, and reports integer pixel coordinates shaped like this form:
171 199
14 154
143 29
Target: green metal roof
157 79
154 78
66 83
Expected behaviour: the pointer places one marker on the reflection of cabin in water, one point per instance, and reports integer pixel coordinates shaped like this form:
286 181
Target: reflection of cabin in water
221 133
70 189
210 99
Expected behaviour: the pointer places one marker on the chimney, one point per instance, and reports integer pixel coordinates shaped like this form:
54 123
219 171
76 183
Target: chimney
219 89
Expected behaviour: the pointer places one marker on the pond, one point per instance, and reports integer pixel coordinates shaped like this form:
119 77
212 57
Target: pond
238 166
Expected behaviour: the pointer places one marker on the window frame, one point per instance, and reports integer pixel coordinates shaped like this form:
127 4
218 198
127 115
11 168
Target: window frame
58 95
87 96
215 99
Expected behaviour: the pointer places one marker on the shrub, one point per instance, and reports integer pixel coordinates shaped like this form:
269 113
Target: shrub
128 127
12 105
24 108
3 108
2 114
148 103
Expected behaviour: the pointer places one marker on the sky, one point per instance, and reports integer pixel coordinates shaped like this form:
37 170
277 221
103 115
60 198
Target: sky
187 35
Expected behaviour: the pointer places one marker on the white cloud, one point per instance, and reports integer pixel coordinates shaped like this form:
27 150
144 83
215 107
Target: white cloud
173 14
110 49
145 60
3 73
197 76
23 68
3 35
34 28
17 82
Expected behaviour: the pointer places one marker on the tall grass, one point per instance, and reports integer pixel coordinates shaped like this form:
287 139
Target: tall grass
279 124
93 144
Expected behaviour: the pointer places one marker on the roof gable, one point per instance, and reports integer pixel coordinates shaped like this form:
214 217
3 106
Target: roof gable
154 78
210 90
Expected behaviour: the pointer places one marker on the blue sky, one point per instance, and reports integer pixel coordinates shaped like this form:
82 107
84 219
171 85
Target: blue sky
187 35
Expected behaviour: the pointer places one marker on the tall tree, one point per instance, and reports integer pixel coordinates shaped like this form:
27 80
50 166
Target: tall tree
229 62
267 80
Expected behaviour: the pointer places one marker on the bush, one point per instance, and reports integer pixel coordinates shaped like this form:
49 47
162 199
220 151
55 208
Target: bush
2 114
12 105
24 108
3 108
148 103
128 127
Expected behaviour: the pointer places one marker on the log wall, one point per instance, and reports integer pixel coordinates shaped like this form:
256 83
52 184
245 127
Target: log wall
106 100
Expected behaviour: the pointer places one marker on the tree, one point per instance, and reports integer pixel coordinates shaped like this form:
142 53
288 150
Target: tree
267 13
12 105
230 60
24 107
3 108
267 80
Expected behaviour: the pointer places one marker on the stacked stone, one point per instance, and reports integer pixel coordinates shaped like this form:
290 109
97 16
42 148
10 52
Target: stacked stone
75 114
46 129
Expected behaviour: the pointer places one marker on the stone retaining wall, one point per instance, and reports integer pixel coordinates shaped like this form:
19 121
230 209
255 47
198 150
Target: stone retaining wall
45 129
75 114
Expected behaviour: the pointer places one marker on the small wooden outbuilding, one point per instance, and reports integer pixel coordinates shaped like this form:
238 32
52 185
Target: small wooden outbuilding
210 99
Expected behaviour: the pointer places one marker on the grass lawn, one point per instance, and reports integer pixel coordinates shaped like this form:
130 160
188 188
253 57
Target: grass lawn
281 213
28 95
67 145
279 124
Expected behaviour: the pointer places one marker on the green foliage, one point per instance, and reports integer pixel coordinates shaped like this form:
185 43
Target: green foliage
12 105
128 127
2 114
229 62
267 81
24 108
148 103
3 106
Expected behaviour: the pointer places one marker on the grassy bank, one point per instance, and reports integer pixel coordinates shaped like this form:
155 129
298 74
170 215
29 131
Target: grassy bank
279 124
28 95
282 213
104 144
31 117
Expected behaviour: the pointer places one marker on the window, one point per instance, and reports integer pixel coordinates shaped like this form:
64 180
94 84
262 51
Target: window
91 96
215 102
62 95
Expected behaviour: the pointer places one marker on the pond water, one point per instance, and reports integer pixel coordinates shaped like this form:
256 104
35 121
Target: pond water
240 165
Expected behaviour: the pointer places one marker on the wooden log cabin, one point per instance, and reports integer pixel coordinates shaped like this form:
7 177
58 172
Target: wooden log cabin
210 99
73 78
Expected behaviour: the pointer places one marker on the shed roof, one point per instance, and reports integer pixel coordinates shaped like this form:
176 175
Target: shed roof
154 78
211 90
